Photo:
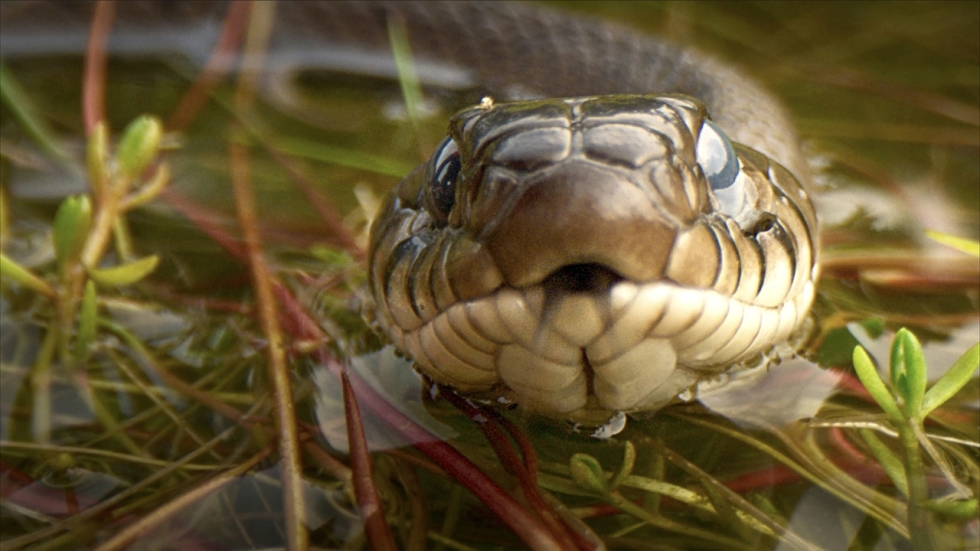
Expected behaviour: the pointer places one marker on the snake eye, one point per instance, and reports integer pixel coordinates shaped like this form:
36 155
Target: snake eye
716 156
445 171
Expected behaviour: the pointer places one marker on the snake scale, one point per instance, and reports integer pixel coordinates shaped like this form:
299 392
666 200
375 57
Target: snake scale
625 218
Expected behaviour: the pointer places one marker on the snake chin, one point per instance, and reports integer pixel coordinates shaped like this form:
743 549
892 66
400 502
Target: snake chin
587 342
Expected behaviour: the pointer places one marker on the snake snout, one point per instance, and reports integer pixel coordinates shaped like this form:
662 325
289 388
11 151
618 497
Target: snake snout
577 220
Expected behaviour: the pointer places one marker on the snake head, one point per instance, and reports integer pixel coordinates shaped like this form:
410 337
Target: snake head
596 252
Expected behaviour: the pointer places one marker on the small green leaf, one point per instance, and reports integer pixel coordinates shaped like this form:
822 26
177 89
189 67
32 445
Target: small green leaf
876 387
23 276
127 274
959 508
152 187
952 381
890 462
587 473
71 226
629 460
968 246
87 320
138 146
914 366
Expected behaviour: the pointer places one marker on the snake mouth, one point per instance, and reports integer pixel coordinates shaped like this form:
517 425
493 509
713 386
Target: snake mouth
589 277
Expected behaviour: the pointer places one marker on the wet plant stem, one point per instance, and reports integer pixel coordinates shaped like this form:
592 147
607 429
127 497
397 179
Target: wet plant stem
41 387
75 276
617 500
98 240
919 519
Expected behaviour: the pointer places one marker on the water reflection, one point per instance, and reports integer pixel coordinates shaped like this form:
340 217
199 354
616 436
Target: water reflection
391 376
770 398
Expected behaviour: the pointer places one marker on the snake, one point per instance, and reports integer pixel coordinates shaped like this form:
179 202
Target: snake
620 219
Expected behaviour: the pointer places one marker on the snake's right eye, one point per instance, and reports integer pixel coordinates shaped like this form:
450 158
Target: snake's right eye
445 171
717 157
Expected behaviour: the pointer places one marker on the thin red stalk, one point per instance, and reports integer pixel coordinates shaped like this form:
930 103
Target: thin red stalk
278 369
324 459
296 321
219 63
290 465
771 477
845 450
368 501
527 448
203 220
526 471
333 220
93 87
417 461
520 521
584 538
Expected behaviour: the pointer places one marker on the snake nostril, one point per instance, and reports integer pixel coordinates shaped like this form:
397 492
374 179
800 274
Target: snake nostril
582 278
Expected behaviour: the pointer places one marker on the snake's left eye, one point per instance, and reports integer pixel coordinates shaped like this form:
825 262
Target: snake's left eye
443 175
716 156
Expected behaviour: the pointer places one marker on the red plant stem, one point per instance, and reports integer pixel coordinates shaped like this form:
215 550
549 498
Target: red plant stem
846 451
531 467
218 64
520 521
490 422
337 232
776 475
204 221
268 315
93 87
368 501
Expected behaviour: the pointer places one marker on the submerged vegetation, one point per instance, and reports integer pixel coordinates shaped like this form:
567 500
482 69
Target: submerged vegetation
183 365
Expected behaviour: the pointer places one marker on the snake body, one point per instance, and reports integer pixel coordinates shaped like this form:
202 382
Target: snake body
603 251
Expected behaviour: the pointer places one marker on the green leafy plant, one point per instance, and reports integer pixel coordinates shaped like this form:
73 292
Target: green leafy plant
907 404
83 228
